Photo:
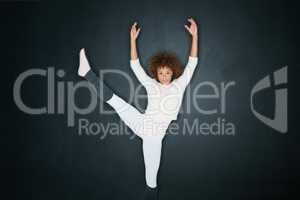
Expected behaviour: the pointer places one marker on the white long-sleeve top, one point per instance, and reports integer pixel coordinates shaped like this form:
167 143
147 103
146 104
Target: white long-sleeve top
164 101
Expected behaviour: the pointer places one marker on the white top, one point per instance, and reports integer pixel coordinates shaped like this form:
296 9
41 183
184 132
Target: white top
164 101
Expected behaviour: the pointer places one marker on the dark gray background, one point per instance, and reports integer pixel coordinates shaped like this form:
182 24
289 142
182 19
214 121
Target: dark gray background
242 41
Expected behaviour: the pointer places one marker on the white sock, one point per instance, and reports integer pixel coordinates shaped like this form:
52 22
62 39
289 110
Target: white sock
84 65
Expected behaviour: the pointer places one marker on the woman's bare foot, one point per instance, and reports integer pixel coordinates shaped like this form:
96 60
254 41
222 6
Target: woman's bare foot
84 65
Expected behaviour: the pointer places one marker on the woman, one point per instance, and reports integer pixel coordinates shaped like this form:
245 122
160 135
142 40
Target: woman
165 91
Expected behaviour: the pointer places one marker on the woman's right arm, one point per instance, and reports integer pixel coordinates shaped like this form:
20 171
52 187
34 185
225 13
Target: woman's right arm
134 60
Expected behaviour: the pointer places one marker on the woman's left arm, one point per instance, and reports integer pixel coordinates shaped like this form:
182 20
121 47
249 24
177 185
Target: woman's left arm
190 67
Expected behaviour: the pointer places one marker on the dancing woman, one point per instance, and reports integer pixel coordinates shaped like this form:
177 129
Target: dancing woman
165 89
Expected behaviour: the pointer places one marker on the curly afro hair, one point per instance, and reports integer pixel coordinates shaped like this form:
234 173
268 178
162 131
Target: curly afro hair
162 59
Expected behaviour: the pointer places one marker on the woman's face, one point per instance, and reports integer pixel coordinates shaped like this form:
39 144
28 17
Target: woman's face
164 75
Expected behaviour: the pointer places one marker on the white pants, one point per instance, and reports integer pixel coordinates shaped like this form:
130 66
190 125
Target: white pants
149 130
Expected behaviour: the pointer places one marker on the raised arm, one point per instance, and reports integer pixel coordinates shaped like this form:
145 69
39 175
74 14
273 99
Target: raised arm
190 67
134 59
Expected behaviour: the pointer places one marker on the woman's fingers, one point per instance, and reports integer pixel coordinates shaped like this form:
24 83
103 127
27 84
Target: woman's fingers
133 27
187 28
138 31
134 30
192 21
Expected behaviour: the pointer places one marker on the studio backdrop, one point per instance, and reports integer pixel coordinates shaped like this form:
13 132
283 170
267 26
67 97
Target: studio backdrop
236 134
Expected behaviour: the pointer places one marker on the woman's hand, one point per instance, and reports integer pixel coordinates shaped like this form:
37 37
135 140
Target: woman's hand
193 29
134 32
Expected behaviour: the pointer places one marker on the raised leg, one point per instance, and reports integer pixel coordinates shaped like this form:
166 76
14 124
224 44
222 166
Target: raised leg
101 89
129 114
84 70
